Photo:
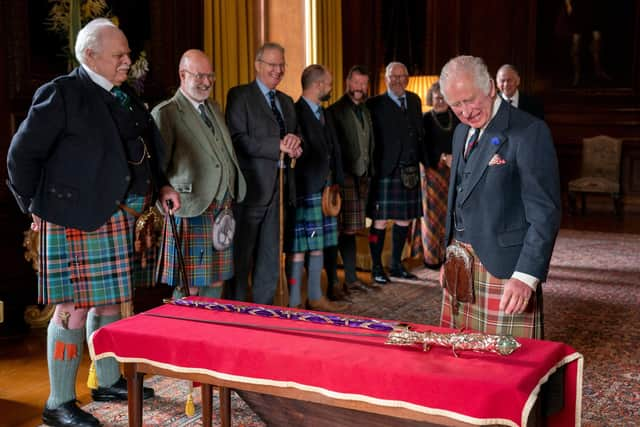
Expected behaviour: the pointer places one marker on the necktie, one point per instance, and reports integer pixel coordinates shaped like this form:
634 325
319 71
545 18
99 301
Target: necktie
473 141
510 101
320 114
276 113
403 105
205 119
121 96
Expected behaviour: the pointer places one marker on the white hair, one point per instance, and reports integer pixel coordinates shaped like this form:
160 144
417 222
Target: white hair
387 71
465 64
89 37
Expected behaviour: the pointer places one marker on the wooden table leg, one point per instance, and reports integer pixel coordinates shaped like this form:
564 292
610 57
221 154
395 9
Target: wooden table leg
207 403
225 407
134 390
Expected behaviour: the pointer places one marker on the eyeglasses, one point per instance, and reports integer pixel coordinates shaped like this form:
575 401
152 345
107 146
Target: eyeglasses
282 66
398 76
202 76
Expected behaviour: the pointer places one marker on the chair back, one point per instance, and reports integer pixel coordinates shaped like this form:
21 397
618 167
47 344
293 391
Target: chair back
601 156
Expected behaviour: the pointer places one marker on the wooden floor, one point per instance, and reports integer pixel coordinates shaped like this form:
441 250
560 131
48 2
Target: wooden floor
24 384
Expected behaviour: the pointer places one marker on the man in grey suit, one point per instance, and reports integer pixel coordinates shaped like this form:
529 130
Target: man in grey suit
262 122
202 166
503 209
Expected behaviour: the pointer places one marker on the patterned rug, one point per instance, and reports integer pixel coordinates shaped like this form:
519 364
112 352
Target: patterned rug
592 302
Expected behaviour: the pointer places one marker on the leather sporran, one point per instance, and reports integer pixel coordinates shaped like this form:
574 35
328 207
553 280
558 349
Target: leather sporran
458 274
147 230
331 200
224 228
410 176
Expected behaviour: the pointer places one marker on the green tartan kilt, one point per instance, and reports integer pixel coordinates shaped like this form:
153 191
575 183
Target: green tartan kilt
92 268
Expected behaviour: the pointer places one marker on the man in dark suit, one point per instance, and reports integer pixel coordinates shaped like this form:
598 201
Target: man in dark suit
508 81
395 189
355 138
85 160
262 122
310 230
202 166
504 205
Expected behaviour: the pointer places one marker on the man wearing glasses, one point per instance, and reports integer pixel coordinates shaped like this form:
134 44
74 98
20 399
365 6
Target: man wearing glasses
395 189
262 122
203 168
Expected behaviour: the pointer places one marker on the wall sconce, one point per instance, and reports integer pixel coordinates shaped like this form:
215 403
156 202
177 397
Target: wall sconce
420 85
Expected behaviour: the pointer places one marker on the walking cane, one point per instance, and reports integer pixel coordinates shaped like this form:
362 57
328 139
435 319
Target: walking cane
176 238
282 291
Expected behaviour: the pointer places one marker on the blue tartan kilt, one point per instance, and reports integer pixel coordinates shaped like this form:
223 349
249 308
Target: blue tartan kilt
310 230
392 200
204 264
92 268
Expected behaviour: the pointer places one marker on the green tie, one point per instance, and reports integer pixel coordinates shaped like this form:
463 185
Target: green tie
121 96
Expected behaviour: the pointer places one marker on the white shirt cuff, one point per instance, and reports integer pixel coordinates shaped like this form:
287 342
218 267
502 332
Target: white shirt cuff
531 281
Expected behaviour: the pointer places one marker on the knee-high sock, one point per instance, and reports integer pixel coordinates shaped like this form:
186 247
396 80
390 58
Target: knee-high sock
348 251
331 266
64 352
294 275
210 292
314 274
399 238
376 244
107 369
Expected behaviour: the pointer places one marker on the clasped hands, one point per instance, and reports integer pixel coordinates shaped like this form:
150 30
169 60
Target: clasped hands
291 145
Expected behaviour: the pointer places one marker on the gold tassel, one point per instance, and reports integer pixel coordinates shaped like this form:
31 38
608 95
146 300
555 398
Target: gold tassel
190 408
92 380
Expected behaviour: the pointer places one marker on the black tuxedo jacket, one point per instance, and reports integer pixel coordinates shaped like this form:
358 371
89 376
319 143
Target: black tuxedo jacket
511 200
256 138
321 153
396 131
67 161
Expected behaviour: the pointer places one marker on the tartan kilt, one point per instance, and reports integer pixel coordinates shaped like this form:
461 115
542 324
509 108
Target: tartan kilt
310 230
92 268
204 264
354 203
392 200
484 315
434 209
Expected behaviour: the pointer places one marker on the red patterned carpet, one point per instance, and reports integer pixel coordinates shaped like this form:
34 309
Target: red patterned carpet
592 302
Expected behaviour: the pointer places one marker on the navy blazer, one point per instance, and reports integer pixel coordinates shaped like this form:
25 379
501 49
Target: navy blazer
511 210
531 105
321 153
67 162
394 130
256 138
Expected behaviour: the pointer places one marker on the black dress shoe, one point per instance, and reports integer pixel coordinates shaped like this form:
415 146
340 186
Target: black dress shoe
401 273
69 415
356 286
378 276
117 391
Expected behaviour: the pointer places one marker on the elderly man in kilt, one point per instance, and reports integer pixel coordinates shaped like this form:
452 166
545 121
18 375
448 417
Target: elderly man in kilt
84 161
503 210
309 230
355 138
395 190
203 168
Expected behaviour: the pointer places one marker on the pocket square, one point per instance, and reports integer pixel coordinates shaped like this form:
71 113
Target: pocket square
497 160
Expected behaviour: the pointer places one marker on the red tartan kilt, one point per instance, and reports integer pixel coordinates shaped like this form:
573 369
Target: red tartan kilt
484 315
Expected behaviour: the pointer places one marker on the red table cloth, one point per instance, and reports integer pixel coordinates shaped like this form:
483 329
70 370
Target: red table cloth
477 388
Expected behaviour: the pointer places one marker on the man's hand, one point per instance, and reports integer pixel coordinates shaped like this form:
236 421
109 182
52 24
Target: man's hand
36 222
168 193
515 297
290 144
